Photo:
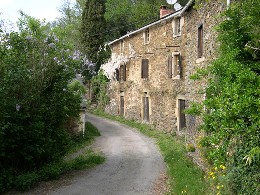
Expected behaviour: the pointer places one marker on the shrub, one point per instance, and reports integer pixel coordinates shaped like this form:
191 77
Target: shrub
35 99
231 120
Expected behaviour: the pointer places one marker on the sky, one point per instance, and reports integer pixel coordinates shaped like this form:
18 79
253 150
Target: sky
40 9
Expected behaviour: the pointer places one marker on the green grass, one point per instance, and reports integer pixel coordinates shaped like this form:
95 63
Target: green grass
55 170
184 176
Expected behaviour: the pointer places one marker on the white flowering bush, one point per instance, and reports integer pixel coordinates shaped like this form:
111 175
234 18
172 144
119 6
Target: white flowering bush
36 67
109 68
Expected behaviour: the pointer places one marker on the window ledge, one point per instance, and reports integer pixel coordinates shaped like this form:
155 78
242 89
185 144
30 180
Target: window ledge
200 60
176 35
176 77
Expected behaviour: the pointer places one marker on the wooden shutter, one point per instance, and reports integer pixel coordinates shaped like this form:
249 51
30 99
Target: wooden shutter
146 109
175 67
117 74
122 105
170 66
179 66
182 122
144 71
200 41
124 73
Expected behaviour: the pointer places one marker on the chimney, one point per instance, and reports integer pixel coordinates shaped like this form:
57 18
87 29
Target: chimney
164 11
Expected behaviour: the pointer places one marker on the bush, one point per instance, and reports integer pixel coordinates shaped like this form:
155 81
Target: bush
26 181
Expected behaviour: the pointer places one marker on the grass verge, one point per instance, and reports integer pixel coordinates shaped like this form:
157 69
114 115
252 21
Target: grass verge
54 170
184 176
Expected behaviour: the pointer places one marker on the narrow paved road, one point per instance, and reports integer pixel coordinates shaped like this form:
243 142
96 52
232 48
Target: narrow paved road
132 166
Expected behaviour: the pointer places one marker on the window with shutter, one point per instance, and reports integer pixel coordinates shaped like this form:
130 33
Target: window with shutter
200 41
144 68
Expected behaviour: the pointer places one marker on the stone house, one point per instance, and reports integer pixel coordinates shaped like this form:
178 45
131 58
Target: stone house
150 68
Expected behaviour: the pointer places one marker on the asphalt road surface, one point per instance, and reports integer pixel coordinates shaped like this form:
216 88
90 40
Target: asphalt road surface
133 165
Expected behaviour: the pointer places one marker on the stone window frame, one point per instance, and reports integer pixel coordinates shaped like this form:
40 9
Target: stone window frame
147 36
145 69
174 65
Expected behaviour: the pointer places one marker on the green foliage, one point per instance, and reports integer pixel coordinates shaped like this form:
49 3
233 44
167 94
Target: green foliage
184 176
92 28
123 16
232 120
26 181
99 86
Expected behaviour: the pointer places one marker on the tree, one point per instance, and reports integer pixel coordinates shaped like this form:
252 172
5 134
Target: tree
93 31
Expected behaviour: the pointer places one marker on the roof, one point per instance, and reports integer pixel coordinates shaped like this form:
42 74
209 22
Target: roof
175 14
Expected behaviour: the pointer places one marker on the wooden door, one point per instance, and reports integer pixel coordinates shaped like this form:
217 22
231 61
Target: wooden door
182 121
122 105
146 109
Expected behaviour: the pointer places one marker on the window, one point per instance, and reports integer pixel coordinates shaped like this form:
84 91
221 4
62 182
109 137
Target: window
177 26
174 66
144 68
117 74
146 36
200 41
122 72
